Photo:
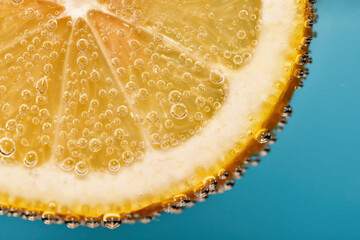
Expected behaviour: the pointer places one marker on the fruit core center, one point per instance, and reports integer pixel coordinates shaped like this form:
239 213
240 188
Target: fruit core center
78 8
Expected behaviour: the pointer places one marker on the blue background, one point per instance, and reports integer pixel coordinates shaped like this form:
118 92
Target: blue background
308 187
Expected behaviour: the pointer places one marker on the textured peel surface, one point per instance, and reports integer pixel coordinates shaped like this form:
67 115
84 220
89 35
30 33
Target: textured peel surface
114 106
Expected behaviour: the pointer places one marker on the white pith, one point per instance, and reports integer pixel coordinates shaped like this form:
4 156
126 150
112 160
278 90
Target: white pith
161 170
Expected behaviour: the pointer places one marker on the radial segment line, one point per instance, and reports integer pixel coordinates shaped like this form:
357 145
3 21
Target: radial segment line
118 82
66 60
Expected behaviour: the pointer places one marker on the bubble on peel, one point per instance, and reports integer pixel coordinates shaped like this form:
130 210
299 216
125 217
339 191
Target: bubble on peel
111 221
7 147
95 145
127 156
114 165
81 168
178 111
31 159
263 136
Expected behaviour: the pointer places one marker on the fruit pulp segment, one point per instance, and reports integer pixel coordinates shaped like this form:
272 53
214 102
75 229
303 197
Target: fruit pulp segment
92 86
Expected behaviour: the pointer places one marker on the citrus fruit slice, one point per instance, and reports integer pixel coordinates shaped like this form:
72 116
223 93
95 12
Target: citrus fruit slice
113 111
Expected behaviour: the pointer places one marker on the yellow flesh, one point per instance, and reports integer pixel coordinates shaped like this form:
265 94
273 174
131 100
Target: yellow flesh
98 94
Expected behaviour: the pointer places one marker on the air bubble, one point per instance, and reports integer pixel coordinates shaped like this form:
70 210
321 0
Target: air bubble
52 24
11 124
114 165
31 159
243 14
95 145
217 76
175 96
187 77
200 101
122 110
24 109
139 63
30 13
81 168
152 117
143 93
241 34
128 3
95 75
178 111
134 44
131 86
83 99
263 136
82 44
42 85
168 124
8 57
82 61
155 138
237 59
112 221
7 147
127 156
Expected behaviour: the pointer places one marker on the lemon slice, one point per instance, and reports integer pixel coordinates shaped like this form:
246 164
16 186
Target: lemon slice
112 111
